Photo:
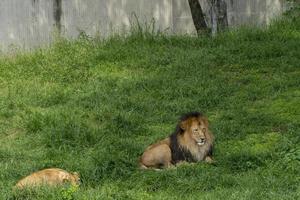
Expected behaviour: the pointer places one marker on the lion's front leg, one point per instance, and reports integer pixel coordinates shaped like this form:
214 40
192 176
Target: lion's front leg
208 159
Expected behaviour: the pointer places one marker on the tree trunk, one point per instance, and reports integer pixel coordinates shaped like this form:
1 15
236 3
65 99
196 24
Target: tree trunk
214 18
198 16
218 11
222 14
57 5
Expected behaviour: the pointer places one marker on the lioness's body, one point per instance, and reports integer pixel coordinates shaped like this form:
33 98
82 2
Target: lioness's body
51 177
191 142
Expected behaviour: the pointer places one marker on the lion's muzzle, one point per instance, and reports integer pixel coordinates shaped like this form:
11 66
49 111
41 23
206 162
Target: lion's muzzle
201 141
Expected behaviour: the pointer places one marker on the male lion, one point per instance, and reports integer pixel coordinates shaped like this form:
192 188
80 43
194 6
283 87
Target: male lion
191 142
51 177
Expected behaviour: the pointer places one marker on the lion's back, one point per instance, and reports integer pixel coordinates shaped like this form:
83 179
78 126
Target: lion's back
52 176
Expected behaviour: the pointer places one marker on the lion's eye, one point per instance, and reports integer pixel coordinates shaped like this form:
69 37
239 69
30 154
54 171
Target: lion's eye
195 130
204 130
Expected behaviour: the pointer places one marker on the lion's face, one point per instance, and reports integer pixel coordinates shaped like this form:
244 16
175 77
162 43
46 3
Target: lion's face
197 129
76 178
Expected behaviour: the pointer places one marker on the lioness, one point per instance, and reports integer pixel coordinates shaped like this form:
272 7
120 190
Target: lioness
191 142
51 177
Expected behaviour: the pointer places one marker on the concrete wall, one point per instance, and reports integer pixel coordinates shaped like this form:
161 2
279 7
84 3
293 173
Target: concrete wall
24 23
106 16
253 12
31 23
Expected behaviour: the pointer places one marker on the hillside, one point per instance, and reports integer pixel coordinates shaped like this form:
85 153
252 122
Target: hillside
93 106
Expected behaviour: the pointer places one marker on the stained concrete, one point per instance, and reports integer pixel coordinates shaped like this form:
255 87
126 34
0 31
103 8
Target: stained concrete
31 23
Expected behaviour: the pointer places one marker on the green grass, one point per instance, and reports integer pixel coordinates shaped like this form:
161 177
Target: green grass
93 107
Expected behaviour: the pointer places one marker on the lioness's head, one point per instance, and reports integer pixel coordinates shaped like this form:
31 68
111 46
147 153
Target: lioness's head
195 126
75 179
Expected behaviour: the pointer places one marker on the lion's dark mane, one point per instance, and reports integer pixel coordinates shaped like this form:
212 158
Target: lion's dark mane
179 153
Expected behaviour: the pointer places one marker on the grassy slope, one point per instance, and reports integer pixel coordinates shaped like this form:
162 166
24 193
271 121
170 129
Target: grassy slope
93 107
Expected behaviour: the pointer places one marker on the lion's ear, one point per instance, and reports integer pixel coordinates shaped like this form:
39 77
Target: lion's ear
205 121
76 174
183 125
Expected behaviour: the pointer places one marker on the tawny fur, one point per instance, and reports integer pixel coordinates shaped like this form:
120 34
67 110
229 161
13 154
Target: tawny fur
50 177
185 144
